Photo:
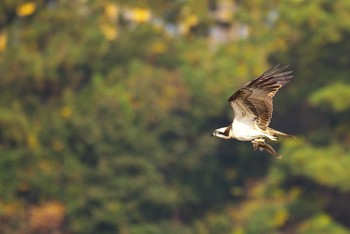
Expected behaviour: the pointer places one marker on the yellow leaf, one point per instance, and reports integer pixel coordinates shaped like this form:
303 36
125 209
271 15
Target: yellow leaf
187 23
3 41
192 20
110 31
281 217
66 111
242 71
26 9
225 11
239 231
280 44
141 15
111 10
32 140
159 47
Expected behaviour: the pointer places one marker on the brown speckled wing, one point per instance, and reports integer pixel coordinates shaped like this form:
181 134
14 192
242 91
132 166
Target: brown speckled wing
257 94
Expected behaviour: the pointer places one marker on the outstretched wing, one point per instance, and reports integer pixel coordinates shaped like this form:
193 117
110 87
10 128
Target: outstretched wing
254 100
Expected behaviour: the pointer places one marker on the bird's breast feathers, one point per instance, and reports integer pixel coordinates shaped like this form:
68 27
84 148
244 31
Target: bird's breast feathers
246 130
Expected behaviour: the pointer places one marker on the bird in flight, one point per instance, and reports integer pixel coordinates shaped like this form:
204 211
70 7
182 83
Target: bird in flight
252 106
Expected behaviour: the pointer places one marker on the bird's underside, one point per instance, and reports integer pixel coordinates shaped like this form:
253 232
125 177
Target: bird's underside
259 141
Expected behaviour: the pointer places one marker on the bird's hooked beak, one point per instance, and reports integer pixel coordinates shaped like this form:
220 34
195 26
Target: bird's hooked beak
213 133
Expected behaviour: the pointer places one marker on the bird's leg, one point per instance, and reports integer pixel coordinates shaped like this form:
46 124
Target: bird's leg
258 142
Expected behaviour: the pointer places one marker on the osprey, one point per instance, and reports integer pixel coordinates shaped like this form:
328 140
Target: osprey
252 106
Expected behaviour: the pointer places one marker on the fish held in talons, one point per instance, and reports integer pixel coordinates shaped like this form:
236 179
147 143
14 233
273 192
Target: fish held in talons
262 145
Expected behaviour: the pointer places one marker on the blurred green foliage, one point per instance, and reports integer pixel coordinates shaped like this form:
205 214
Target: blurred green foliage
106 111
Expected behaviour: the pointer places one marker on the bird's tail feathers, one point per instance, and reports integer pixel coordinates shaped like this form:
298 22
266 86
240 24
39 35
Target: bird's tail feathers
278 133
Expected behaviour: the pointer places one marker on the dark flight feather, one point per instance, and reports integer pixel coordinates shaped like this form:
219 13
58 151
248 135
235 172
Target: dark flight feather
257 94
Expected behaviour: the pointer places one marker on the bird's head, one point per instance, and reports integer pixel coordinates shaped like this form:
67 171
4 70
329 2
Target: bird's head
221 133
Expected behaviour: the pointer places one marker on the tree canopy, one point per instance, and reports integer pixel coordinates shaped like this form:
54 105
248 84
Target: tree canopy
106 111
